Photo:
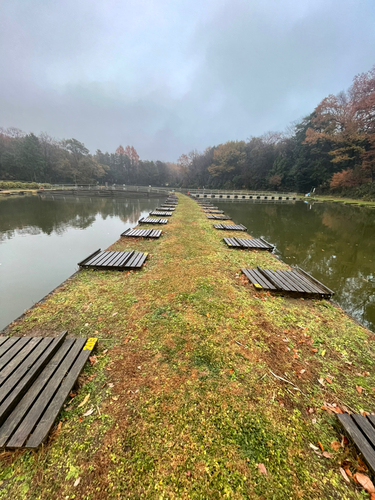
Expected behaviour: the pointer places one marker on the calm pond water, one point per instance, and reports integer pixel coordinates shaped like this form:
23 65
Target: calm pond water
331 241
41 241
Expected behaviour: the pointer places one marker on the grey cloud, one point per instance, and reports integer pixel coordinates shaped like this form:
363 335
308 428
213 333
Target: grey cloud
168 77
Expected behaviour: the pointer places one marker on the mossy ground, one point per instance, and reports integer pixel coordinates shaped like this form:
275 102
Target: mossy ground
186 346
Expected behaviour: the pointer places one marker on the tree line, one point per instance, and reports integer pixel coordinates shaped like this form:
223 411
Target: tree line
42 159
332 149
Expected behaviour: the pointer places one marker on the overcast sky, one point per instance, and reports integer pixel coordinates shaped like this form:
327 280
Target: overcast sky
171 76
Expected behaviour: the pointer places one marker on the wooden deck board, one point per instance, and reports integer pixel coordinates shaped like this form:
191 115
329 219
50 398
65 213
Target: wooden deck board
290 281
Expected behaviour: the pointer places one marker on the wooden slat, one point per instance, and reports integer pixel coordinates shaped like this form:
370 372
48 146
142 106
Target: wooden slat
366 428
294 280
358 438
49 416
3 339
308 283
121 259
4 348
232 242
96 259
286 284
32 418
316 282
12 353
16 385
274 280
89 257
256 277
298 280
19 413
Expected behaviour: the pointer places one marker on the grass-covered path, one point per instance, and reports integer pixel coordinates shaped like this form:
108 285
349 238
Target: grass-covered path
184 402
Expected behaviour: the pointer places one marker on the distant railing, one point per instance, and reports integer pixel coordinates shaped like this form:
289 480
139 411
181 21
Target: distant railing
241 192
116 187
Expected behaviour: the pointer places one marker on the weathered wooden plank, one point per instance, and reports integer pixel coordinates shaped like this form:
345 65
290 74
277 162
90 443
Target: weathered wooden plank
44 425
12 352
365 427
43 400
295 286
315 281
16 386
19 412
3 339
299 280
275 279
256 278
358 438
89 257
4 348
232 242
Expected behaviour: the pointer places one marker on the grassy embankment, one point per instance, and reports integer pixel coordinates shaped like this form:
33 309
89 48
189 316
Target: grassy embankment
185 403
347 201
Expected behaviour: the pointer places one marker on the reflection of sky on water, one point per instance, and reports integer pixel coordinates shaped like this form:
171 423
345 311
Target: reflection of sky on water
41 242
333 242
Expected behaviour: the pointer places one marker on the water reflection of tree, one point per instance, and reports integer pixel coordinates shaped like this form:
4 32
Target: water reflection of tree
333 242
35 215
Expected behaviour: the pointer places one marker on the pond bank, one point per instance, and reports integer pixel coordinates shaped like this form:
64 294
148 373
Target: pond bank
185 404
337 199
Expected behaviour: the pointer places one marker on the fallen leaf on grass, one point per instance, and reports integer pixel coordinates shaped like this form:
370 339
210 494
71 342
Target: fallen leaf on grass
334 408
335 445
345 476
365 482
359 389
77 481
89 412
321 382
364 413
329 380
320 445
327 455
344 441
115 398
313 447
262 469
93 360
84 401
114 314
302 372
111 385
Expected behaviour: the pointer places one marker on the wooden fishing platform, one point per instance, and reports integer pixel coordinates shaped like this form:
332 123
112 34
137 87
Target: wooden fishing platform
230 227
170 209
205 208
170 203
36 376
361 431
142 233
210 211
218 217
161 214
114 261
252 243
150 220
294 281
